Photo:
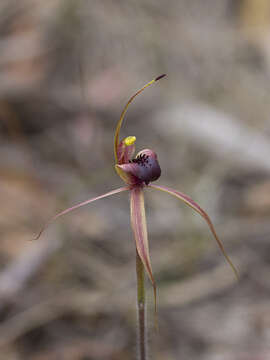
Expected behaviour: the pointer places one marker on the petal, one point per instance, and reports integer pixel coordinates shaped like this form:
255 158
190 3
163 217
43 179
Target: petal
129 152
199 210
79 205
138 224
119 124
126 173
125 150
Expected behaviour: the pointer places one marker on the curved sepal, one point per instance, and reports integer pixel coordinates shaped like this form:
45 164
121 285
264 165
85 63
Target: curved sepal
80 205
199 210
119 124
138 224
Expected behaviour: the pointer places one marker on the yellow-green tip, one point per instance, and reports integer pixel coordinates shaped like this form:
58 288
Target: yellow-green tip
130 140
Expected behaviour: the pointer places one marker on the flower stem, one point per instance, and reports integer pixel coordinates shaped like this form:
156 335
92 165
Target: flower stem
141 308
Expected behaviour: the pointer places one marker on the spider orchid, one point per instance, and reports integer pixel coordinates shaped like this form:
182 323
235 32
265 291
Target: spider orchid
138 173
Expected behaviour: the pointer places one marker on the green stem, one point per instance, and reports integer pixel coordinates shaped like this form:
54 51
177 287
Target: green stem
141 308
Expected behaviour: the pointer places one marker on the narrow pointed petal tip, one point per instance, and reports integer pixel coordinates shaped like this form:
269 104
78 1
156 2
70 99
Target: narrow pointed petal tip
125 188
138 224
186 199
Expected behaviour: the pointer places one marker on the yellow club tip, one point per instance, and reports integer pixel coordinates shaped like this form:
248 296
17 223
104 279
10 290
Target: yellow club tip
130 140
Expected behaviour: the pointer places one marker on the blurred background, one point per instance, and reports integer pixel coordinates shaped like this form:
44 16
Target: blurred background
67 68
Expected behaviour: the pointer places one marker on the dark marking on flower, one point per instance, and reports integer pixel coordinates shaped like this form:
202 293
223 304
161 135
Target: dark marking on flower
141 160
160 77
146 168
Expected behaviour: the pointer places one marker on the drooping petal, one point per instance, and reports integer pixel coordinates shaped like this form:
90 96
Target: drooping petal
138 224
119 124
80 205
199 210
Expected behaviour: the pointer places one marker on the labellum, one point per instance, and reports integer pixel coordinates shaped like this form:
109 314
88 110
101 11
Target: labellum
146 167
143 169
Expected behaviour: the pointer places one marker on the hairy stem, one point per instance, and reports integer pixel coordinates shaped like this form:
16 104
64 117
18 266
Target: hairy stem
141 308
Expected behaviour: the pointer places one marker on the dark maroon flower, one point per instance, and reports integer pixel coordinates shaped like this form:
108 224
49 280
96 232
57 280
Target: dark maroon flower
138 173
143 169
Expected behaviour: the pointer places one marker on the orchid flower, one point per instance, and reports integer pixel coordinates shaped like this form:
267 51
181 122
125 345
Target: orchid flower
138 173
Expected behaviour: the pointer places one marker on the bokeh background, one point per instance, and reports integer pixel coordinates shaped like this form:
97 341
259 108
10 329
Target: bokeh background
67 67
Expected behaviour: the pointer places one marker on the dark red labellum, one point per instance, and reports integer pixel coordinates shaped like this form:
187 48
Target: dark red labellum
146 167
